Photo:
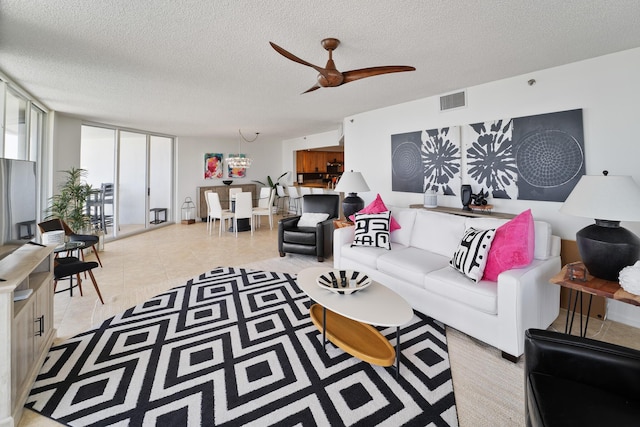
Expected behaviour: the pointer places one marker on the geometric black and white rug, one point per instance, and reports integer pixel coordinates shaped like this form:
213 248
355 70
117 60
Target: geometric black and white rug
236 347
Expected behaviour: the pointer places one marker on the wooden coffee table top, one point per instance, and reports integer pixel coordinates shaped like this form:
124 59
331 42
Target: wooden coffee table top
375 305
356 338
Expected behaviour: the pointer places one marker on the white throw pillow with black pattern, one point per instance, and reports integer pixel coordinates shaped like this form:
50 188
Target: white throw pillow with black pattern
372 230
471 256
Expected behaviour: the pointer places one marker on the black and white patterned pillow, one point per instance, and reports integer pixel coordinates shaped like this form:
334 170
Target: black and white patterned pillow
372 230
471 256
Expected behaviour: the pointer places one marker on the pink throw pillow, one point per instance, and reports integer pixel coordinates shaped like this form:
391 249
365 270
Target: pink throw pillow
378 206
512 246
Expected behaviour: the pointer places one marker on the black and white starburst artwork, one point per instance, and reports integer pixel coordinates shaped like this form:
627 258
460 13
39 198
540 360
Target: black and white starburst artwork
440 152
490 159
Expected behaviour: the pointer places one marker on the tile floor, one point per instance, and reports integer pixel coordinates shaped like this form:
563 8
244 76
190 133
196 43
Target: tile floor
139 267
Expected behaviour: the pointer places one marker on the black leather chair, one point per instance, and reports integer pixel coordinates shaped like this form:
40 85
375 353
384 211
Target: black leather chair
574 381
316 240
72 266
88 240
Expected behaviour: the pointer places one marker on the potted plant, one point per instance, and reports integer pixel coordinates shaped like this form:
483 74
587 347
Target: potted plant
69 204
273 185
270 183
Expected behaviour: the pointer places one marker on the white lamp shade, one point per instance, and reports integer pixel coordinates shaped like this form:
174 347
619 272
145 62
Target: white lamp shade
351 182
612 198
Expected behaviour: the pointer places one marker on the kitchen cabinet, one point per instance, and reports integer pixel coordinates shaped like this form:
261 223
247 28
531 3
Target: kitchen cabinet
316 161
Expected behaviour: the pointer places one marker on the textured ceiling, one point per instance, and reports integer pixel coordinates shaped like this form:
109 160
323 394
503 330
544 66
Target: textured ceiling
205 68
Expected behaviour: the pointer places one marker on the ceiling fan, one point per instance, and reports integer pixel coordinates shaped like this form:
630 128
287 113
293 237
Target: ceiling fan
329 76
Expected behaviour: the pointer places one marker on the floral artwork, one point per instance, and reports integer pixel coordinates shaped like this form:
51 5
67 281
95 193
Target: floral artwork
491 163
237 172
213 167
440 152
426 160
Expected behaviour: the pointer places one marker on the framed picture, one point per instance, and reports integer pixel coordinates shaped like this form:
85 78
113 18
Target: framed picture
237 172
213 166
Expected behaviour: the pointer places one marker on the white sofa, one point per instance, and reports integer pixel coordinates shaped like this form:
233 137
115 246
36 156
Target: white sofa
417 267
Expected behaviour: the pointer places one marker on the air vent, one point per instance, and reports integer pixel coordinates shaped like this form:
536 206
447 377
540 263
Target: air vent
453 100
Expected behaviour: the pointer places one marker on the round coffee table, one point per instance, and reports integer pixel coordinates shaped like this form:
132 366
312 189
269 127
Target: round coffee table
346 320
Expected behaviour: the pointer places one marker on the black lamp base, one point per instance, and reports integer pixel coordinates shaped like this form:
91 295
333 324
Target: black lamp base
351 204
606 248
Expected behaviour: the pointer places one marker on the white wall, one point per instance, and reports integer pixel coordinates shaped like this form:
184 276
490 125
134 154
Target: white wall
606 88
266 155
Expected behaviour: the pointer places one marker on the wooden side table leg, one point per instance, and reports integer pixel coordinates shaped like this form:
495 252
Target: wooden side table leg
566 323
586 323
324 329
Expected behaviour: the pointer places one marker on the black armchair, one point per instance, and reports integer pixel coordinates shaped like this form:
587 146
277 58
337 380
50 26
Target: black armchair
574 381
316 240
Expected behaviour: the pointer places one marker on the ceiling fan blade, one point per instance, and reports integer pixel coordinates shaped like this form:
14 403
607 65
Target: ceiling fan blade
294 58
312 88
352 75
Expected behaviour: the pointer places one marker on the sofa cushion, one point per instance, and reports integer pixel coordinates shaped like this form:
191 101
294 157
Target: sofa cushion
542 247
406 218
437 232
447 282
378 206
302 236
471 256
372 230
368 255
411 264
512 246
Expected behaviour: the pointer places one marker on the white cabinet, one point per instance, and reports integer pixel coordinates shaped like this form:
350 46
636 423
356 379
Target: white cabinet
26 324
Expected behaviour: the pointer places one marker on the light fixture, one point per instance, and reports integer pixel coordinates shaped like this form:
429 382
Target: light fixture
605 247
351 182
240 160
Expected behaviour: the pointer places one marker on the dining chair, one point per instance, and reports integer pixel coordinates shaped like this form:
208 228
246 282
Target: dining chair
243 209
89 240
232 193
72 266
215 211
282 198
294 200
265 207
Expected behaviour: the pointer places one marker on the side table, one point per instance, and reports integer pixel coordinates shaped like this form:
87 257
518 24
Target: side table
586 283
340 223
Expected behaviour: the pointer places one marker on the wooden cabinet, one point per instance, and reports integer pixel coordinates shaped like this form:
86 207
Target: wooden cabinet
316 161
26 324
223 194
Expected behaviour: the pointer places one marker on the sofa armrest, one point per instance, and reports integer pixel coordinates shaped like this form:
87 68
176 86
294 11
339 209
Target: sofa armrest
341 236
526 297
324 237
285 224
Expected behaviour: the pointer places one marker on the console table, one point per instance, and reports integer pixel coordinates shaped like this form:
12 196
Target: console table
26 324
478 213
223 194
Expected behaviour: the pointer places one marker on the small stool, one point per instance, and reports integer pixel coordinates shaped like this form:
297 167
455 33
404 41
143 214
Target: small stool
156 212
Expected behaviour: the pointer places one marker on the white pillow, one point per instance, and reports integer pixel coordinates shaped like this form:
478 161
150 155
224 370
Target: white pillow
311 219
372 230
471 256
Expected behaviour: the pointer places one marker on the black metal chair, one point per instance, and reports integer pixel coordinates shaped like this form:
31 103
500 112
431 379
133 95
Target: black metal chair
72 266
575 381
316 240
89 240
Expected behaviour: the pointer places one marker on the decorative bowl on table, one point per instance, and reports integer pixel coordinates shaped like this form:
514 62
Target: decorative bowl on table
343 282
227 181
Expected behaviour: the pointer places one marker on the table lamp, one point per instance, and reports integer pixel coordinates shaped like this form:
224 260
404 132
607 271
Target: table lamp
605 247
351 182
